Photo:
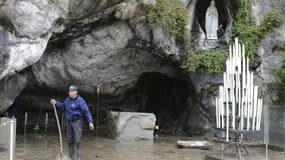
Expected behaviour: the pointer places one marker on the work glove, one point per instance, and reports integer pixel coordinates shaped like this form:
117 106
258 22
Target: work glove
52 101
91 126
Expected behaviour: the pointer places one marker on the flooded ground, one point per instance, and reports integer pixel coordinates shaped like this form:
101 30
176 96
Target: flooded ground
35 147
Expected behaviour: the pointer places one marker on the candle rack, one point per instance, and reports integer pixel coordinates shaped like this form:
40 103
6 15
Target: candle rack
238 108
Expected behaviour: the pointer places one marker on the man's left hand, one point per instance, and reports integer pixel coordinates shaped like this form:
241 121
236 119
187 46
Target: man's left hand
91 126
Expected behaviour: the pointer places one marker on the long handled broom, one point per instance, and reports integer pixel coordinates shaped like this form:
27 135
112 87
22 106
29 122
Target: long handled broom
60 156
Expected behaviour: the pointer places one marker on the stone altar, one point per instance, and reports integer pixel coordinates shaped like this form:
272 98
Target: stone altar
131 125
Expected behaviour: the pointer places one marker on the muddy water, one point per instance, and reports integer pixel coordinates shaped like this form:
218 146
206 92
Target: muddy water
35 147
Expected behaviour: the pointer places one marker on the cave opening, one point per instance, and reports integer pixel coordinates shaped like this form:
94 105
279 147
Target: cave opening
170 98
166 97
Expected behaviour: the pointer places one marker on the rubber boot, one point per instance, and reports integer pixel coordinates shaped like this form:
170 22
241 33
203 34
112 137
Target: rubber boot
71 151
78 152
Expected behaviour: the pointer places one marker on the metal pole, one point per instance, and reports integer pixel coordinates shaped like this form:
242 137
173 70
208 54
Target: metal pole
12 137
97 114
266 152
62 120
25 123
266 129
46 122
11 140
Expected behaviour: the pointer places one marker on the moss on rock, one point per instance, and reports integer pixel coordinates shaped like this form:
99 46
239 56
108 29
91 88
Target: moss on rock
246 29
208 61
171 13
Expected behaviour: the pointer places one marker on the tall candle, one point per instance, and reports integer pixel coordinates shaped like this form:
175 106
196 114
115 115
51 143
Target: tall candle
217 113
251 96
233 110
227 123
254 107
248 98
257 117
260 111
223 108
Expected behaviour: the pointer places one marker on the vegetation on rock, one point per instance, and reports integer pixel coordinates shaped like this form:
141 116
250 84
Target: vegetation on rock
170 13
246 29
279 83
208 61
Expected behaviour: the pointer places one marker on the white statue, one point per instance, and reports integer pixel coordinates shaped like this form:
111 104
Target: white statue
212 21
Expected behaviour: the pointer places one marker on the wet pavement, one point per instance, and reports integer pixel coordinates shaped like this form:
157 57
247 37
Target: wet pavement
36 147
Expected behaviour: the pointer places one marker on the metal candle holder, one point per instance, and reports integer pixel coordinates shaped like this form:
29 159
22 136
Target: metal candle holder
238 108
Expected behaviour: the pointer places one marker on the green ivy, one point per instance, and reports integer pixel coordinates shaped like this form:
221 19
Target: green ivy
279 83
171 13
208 61
249 33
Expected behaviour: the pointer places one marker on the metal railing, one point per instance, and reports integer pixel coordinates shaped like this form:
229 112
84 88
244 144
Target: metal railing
38 122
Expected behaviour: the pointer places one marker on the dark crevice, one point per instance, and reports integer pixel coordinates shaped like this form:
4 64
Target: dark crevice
166 97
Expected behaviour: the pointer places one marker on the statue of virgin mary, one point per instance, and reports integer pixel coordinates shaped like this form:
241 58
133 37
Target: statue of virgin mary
212 21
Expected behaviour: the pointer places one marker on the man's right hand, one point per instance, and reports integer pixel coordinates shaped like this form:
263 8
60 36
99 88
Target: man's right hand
52 101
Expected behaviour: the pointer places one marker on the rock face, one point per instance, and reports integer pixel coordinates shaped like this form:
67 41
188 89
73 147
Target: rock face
114 53
34 18
10 88
104 56
132 126
19 53
261 8
271 53
26 27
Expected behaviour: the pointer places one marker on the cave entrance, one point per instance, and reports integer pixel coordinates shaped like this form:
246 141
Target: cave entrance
164 96
202 7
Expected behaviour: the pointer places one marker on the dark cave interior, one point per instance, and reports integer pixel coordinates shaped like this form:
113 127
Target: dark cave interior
166 97
154 92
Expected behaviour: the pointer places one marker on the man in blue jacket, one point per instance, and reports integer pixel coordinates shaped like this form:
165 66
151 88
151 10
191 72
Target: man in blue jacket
75 108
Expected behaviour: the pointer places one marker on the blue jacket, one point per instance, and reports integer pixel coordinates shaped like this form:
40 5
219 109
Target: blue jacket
75 107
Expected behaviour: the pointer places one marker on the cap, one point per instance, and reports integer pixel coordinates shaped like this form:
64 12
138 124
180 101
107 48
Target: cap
73 88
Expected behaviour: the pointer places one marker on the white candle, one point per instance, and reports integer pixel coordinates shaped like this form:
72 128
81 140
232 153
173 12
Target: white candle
248 98
219 109
238 94
243 73
231 58
257 114
251 96
260 111
254 107
239 62
227 125
217 113
233 110
242 113
223 108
